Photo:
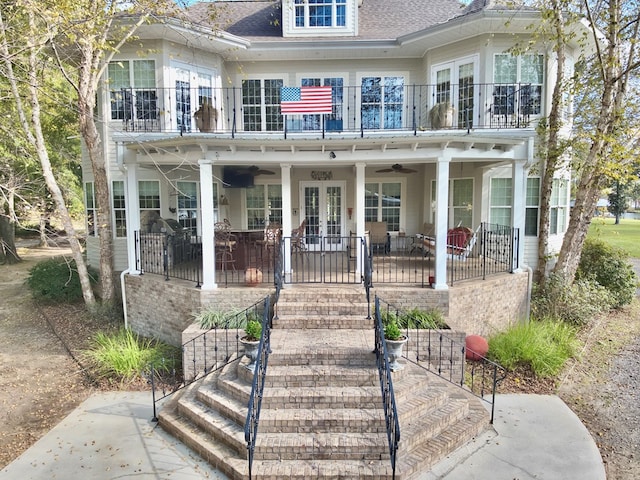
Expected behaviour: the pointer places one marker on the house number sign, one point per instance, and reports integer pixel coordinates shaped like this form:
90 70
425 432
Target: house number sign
321 175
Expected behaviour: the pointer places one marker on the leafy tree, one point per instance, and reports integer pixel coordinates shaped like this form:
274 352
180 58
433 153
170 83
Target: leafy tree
605 125
618 200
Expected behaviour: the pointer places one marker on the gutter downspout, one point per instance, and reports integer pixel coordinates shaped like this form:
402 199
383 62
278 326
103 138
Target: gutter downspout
124 297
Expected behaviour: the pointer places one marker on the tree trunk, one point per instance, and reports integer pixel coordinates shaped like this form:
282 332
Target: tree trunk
93 143
8 251
552 152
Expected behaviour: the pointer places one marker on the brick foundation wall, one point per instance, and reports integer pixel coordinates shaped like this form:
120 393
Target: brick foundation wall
164 309
477 307
489 306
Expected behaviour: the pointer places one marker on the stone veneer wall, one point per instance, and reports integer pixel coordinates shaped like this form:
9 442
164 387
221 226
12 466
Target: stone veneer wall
163 309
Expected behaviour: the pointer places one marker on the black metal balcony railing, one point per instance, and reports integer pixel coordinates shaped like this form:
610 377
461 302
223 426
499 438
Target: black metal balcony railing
333 259
360 109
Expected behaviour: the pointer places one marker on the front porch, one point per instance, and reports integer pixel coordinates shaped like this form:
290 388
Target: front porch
327 260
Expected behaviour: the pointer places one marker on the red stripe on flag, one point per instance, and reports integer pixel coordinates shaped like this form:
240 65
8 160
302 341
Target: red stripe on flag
312 100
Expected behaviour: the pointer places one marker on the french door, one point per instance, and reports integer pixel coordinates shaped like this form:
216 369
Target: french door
323 207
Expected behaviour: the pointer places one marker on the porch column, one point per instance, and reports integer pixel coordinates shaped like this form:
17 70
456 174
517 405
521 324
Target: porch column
132 214
285 172
359 211
518 209
441 221
208 231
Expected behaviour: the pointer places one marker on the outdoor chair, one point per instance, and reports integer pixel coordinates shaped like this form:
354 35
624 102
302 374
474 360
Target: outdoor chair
225 243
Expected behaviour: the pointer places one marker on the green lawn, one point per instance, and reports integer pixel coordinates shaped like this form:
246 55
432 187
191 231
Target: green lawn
626 235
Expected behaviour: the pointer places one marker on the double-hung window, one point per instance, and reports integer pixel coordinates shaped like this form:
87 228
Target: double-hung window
261 105
132 85
119 209
90 205
500 201
518 85
264 204
188 206
460 208
382 101
383 203
149 198
320 13
532 207
558 212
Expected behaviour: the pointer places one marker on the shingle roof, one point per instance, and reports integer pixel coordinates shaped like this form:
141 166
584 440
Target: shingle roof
378 19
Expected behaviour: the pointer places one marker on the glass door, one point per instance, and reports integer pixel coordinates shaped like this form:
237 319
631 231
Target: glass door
323 208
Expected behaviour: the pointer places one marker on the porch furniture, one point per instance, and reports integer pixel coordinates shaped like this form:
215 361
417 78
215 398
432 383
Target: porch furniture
271 240
379 239
460 242
225 243
428 231
297 238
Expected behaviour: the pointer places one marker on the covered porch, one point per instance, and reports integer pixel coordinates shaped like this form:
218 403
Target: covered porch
335 187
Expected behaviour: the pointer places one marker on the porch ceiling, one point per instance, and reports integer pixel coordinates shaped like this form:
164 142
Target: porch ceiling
342 150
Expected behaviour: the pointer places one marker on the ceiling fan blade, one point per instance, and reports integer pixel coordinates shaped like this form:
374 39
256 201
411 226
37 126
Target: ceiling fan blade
385 170
407 170
265 172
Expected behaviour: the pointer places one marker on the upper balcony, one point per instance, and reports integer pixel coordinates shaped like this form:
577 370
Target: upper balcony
362 110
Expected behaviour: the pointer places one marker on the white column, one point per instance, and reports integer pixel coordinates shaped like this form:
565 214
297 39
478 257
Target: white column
359 211
132 214
208 232
285 172
441 221
518 209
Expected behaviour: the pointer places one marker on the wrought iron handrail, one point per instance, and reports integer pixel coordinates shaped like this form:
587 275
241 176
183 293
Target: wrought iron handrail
446 357
225 347
386 384
257 386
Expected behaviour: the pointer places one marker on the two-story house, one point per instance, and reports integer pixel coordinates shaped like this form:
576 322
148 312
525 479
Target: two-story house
333 125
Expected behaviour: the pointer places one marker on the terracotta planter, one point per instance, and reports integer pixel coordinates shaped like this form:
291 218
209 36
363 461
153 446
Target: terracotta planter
394 352
253 276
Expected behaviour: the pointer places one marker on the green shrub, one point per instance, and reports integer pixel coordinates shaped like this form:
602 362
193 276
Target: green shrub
56 280
577 304
608 266
392 331
253 330
543 345
422 319
123 355
213 317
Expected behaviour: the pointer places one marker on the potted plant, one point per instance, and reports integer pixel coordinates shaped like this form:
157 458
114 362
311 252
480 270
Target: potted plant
251 342
394 340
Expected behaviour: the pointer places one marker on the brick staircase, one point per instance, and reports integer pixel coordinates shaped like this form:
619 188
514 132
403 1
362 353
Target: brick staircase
322 411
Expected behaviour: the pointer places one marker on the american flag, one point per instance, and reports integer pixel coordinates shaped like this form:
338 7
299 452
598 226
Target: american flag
305 100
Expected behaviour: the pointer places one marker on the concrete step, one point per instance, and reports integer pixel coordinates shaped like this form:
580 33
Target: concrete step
322 446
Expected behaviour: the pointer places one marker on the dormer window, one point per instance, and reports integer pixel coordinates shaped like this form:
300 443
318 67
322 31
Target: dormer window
321 13
320 18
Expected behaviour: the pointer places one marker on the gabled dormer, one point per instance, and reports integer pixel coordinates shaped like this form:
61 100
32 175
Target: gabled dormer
320 18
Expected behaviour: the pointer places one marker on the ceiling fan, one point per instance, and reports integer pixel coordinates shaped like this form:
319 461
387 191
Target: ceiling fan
255 171
396 168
